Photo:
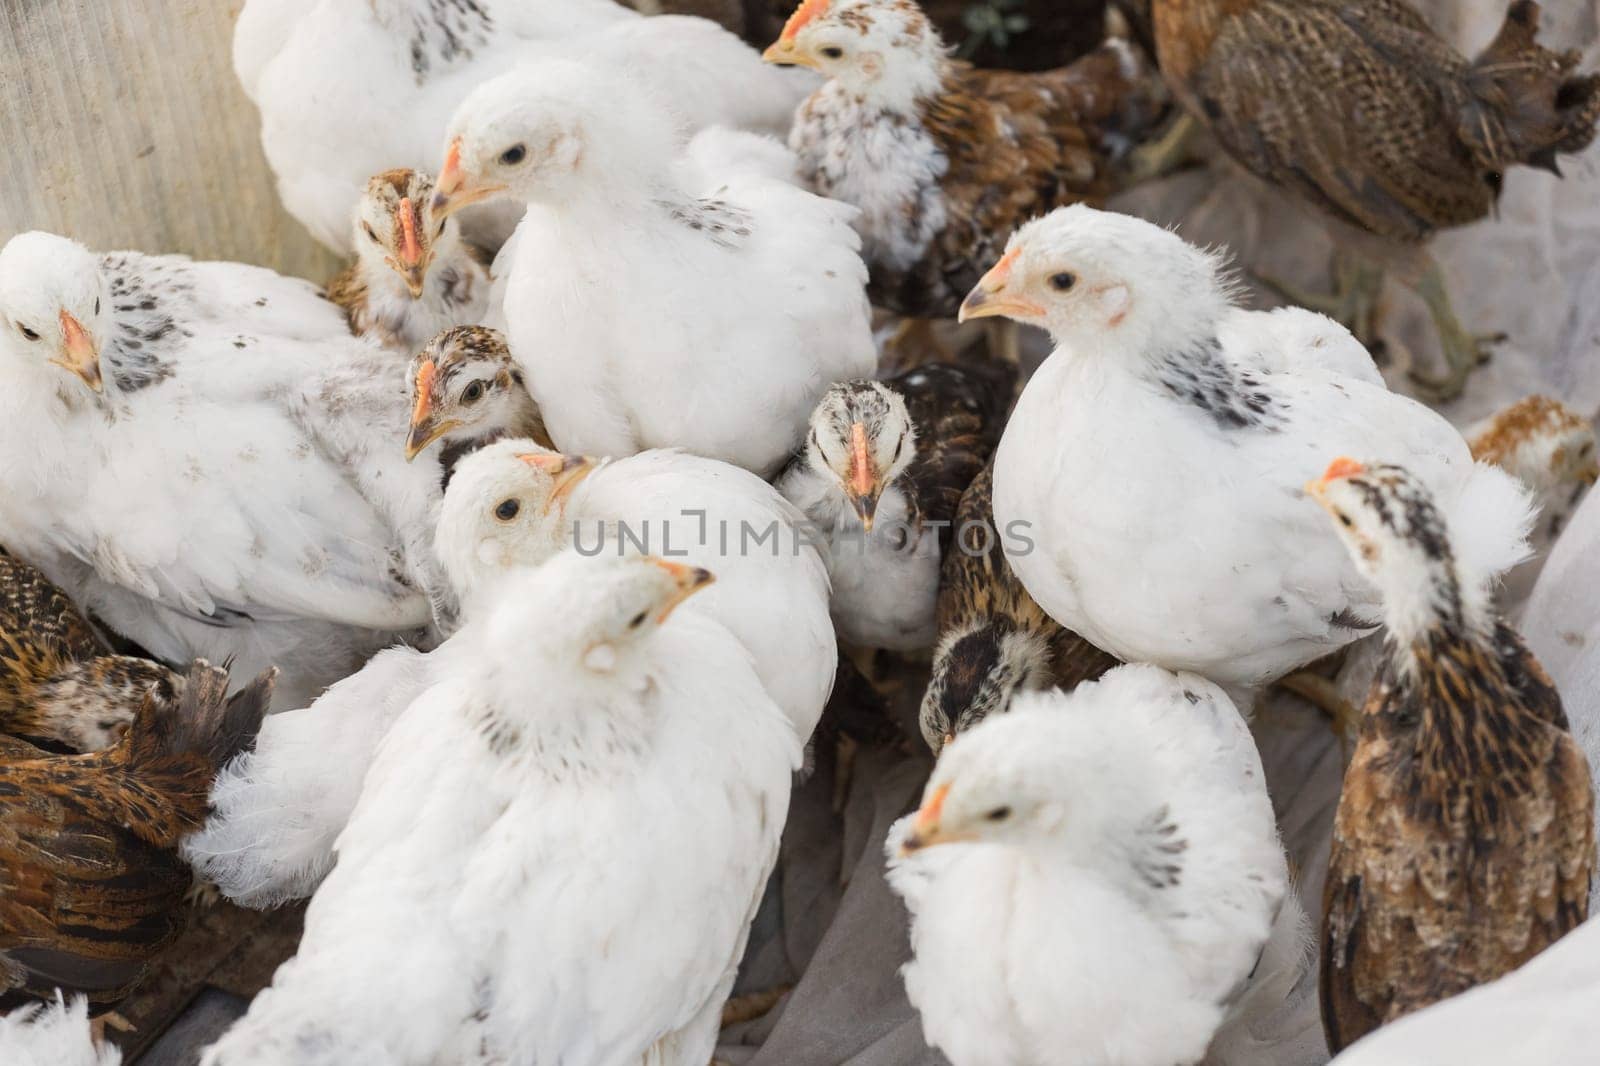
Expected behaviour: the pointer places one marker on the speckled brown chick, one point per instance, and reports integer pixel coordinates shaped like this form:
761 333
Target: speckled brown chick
1360 109
413 273
881 474
91 883
994 640
945 160
59 685
1540 441
1464 839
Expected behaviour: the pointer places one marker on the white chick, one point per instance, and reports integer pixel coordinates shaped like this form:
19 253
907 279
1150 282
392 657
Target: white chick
559 850
1097 871
656 302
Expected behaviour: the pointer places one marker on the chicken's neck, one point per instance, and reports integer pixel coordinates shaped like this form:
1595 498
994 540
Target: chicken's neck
1426 607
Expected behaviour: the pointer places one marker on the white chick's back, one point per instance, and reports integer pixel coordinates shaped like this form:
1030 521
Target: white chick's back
345 96
713 324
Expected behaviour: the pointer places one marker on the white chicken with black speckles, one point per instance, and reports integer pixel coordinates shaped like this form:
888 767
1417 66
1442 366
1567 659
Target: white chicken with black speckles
154 471
350 89
575 882
1158 456
1098 871
659 297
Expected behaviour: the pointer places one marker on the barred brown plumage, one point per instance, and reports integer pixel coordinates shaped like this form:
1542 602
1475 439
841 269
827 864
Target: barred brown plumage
91 884
59 683
1464 839
1402 137
994 640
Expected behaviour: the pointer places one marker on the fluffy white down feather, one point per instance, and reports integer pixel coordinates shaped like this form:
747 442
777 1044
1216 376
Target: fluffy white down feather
1124 879
278 809
52 1034
772 582
184 504
659 297
552 860
354 89
1543 1012
1158 458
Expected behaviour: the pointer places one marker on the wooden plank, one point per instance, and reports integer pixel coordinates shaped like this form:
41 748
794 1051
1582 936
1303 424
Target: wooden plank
122 125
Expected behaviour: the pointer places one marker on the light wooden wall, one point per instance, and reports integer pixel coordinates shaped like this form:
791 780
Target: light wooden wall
122 125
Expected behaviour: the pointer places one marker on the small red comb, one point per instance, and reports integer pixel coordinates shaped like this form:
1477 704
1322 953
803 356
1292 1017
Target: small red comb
1342 467
803 14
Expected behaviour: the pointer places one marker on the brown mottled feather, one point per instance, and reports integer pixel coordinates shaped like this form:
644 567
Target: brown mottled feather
1018 146
980 587
26 596
959 412
91 884
59 686
1402 135
349 291
1464 840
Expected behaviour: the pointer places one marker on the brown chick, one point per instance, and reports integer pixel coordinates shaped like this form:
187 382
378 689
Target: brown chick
59 685
994 640
945 160
91 883
881 473
1464 839
1358 108
413 274
1541 442
467 392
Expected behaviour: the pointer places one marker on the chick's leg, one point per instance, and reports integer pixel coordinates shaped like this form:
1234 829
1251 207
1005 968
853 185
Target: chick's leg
1322 693
1353 303
1463 352
1169 152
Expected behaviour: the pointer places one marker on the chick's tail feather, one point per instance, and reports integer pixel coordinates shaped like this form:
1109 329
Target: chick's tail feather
1525 103
201 723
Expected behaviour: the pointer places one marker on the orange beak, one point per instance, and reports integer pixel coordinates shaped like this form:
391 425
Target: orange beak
1341 467
79 354
926 831
687 580
565 470
425 428
864 487
786 51
453 190
410 266
990 298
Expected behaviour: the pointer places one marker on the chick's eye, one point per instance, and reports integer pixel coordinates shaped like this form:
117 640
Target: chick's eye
1063 281
97 305
472 393
514 155
1344 519
26 332
371 235
832 51
637 620
507 510
999 814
